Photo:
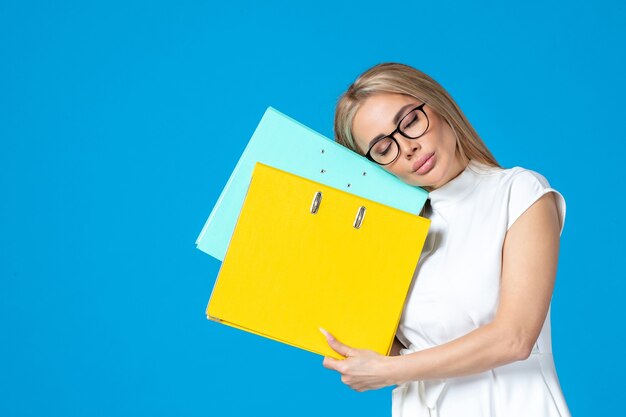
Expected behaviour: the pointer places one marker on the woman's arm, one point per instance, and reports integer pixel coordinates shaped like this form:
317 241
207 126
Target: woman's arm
530 255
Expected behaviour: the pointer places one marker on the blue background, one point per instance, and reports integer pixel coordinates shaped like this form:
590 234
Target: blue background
120 122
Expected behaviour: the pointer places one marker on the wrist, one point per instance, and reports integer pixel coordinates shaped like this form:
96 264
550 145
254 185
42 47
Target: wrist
395 370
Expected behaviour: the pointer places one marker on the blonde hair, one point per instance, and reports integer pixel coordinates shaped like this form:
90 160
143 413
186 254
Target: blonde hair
402 79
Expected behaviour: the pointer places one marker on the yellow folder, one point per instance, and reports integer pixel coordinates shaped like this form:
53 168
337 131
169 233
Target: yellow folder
304 255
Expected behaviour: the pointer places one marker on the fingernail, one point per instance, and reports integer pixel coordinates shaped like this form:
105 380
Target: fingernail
324 332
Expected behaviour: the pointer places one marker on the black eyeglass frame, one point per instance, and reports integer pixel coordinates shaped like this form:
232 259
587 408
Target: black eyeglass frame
397 129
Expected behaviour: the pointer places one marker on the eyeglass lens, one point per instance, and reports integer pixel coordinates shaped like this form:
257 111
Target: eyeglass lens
413 125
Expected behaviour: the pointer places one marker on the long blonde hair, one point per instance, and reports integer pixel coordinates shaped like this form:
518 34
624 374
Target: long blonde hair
392 77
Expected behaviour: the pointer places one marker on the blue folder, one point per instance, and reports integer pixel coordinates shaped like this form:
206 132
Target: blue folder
286 144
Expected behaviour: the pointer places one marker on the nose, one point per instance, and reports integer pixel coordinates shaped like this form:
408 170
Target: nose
408 147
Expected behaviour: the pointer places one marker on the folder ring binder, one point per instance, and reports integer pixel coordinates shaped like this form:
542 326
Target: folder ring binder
315 205
359 217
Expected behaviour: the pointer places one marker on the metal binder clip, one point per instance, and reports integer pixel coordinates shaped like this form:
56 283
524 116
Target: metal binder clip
359 217
315 205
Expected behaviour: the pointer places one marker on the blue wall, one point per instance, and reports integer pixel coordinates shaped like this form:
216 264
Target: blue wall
120 122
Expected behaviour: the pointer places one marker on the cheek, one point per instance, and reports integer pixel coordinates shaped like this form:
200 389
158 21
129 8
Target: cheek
451 141
404 175
395 170
448 136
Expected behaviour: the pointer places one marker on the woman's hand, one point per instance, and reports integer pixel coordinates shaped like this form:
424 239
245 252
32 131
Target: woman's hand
362 369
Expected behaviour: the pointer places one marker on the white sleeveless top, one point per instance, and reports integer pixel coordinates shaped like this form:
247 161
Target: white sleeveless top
455 290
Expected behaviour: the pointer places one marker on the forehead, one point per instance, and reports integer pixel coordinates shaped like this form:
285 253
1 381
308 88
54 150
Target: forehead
375 116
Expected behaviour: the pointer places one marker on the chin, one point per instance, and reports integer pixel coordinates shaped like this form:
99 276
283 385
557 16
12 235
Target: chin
437 175
431 179
417 183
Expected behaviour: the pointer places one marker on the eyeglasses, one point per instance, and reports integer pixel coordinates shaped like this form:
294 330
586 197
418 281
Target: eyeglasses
386 149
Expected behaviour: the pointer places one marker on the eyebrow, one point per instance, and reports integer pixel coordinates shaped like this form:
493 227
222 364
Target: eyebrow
396 119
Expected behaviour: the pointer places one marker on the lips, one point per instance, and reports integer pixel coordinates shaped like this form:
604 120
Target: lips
421 161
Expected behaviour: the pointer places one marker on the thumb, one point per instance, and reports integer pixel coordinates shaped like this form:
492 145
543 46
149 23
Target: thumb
335 344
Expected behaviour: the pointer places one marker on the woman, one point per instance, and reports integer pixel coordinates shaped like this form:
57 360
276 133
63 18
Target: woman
474 336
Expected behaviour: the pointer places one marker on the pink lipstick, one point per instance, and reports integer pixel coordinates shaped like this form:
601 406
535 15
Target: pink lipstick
424 164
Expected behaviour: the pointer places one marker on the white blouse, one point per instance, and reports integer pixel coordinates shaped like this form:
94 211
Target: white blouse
456 290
